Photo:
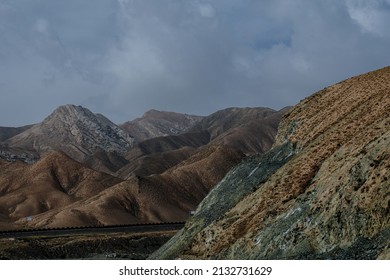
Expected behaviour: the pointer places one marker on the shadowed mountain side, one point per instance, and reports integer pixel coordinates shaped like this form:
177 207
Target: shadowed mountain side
168 143
250 130
329 196
157 198
254 137
159 123
155 163
154 156
8 132
107 162
53 182
198 174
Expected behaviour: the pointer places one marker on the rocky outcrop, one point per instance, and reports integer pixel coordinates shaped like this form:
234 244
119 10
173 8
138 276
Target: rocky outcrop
326 197
12 155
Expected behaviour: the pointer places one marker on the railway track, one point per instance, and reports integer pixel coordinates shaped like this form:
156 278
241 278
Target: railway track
91 230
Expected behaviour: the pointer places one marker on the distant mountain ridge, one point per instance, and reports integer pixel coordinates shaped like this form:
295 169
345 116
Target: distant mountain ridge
9 132
247 130
251 129
153 180
156 123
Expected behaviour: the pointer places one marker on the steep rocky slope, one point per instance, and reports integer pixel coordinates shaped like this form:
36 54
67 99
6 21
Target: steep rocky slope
156 123
75 131
322 191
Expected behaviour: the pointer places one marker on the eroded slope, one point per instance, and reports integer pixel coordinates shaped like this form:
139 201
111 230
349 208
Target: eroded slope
331 198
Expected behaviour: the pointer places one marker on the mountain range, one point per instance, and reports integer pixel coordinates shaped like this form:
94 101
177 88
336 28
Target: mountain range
306 182
77 168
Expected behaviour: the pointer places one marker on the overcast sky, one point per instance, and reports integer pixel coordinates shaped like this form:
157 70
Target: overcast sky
124 57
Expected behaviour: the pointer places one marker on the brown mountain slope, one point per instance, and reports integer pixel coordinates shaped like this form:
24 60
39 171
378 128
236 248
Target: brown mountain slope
248 130
166 197
252 130
53 182
154 156
321 192
195 176
223 120
155 163
107 162
252 135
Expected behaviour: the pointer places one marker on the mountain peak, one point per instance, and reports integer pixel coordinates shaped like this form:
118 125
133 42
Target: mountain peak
70 111
70 106
152 113
76 131
155 123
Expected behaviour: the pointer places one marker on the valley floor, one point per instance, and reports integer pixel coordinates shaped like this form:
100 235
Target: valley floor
130 246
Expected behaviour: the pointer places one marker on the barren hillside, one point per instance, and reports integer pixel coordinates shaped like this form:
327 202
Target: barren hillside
321 192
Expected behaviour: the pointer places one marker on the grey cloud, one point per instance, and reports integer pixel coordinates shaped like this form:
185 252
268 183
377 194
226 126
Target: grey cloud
123 57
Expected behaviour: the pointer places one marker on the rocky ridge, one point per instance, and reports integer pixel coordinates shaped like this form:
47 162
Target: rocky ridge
321 192
247 130
156 123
